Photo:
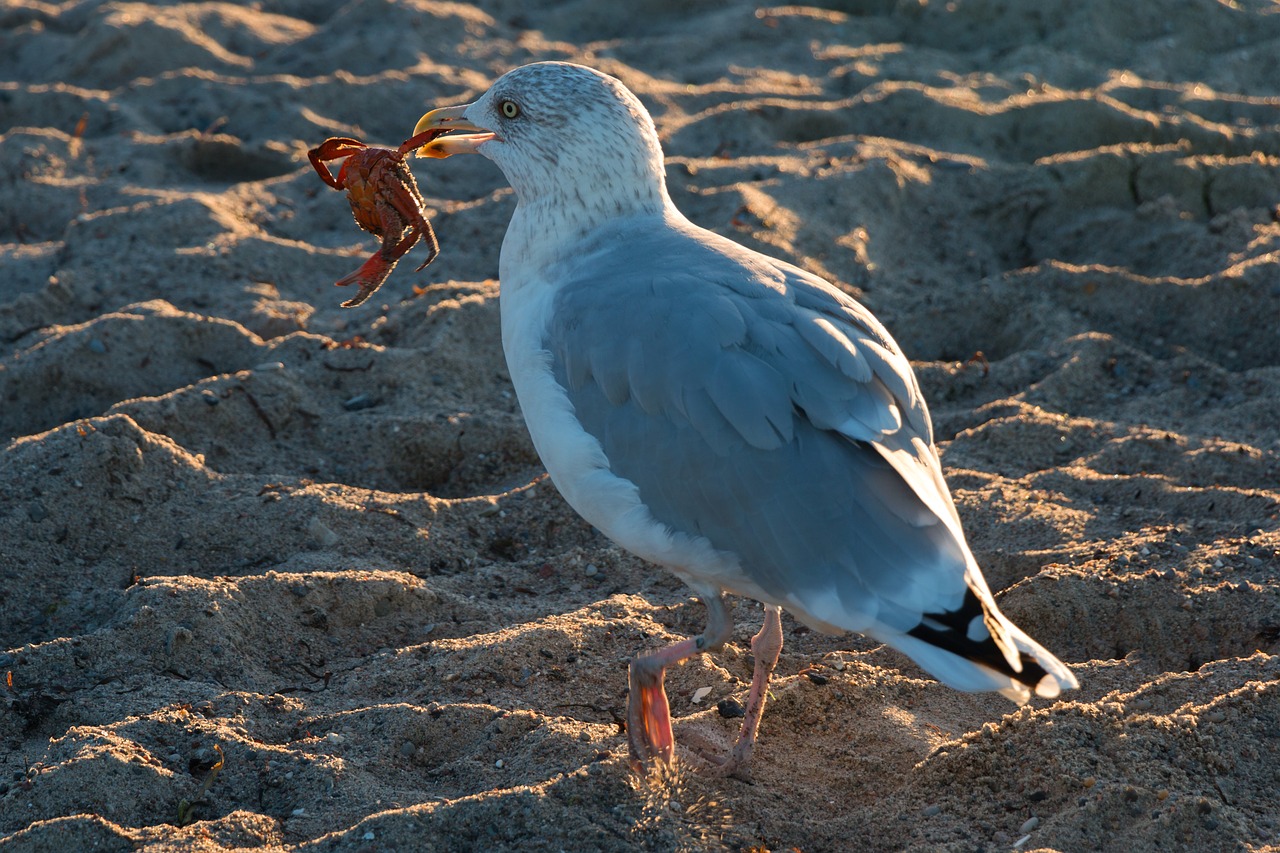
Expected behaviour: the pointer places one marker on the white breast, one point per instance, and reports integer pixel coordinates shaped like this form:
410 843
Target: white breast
577 463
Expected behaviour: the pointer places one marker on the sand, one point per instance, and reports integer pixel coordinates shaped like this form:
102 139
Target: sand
279 575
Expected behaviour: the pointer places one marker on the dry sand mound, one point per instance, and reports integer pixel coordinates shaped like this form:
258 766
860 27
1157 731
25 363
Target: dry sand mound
278 575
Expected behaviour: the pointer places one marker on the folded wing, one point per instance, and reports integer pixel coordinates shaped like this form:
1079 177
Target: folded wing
756 405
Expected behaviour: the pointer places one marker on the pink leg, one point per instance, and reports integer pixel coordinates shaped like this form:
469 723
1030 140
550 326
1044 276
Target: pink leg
649 734
765 647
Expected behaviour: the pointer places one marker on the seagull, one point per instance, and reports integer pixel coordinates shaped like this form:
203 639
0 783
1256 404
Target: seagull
718 412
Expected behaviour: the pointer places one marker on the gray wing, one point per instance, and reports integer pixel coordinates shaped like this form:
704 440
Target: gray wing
756 405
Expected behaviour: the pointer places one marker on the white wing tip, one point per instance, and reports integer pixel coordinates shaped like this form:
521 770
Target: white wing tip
1053 683
1015 691
1050 686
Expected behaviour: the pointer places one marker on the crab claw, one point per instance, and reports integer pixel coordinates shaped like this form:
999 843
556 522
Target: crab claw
368 278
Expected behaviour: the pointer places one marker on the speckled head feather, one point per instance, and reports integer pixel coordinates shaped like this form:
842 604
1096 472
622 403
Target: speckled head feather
577 136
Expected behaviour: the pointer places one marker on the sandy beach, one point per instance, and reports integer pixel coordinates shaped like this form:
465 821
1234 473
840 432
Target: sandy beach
280 575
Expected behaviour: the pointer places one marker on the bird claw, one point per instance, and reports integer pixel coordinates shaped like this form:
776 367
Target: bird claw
714 761
729 769
649 735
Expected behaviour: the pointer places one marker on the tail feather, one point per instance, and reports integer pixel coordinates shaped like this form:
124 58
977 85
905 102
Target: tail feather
975 647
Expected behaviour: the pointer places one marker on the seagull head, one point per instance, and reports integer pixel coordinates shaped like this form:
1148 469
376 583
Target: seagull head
561 133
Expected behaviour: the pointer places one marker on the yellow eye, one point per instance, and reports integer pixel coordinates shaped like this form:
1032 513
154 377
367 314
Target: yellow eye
509 109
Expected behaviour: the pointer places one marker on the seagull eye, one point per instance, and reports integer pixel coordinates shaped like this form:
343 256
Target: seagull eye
509 109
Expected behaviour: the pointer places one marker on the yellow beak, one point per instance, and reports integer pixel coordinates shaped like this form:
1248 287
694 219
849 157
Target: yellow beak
454 141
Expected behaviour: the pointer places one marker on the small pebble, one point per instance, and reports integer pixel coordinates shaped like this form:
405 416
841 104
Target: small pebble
816 677
97 346
267 366
592 571
1030 824
731 708
179 635
499 764
1162 795
1089 782
334 737
407 749
321 534
700 694
930 811
358 402
209 397
368 836
298 812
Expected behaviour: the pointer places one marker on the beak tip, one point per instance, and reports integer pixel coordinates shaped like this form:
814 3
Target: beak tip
449 119
431 120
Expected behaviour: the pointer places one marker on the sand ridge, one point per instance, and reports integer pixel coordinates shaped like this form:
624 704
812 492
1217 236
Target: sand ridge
279 575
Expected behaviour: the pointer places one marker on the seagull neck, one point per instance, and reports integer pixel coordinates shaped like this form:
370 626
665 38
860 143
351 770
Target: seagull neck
546 231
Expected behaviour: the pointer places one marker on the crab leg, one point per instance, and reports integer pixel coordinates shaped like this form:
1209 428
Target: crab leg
333 149
428 236
421 139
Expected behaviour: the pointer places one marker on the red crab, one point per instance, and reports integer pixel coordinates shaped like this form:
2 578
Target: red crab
385 200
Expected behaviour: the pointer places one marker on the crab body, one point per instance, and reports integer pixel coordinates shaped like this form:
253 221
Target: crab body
385 200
